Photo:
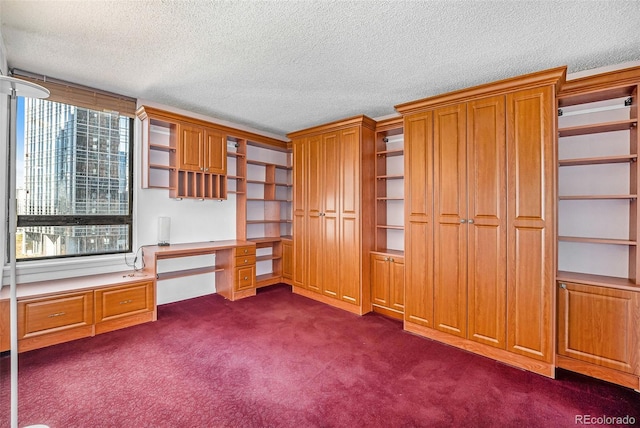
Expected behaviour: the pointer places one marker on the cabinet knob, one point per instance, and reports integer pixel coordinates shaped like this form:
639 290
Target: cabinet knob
563 285
386 259
246 260
246 277
470 221
463 220
391 259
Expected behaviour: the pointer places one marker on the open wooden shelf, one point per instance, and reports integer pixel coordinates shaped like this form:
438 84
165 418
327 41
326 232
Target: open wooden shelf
597 280
599 160
596 197
597 240
619 125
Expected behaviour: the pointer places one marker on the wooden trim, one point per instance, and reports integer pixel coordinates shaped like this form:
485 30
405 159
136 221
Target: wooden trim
388 312
126 321
600 82
361 120
515 360
391 126
610 375
54 338
354 309
253 138
554 76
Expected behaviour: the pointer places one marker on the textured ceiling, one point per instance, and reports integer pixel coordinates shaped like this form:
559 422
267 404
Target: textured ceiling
286 65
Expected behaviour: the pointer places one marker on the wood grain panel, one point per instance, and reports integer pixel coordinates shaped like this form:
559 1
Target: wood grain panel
418 244
53 314
396 282
314 223
5 332
191 147
349 262
487 249
380 280
531 126
116 302
215 152
599 325
300 239
450 216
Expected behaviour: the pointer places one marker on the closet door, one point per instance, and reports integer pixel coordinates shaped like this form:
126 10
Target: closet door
315 226
349 197
331 257
418 190
487 244
450 219
300 180
531 128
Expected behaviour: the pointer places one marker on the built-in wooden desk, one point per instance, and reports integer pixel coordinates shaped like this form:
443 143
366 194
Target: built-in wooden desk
60 310
235 265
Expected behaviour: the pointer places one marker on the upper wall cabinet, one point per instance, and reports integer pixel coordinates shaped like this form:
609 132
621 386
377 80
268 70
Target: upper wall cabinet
188 156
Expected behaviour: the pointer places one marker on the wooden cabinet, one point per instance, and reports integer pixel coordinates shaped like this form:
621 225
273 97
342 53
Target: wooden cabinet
600 326
479 190
245 268
287 261
123 306
5 332
333 212
45 321
188 156
387 283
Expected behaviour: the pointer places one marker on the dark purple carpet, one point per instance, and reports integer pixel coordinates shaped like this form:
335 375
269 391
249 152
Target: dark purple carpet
281 360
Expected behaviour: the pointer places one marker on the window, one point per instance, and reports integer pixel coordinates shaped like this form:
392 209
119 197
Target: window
73 180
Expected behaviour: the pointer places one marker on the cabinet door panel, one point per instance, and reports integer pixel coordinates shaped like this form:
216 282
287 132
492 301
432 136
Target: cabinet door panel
396 282
599 325
419 274
349 260
116 302
191 150
314 225
300 184
379 280
531 225
418 170
216 152
53 314
5 338
450 214
487 249
287 259
331 260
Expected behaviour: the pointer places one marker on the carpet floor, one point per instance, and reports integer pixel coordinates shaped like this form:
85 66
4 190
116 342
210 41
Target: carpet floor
282 360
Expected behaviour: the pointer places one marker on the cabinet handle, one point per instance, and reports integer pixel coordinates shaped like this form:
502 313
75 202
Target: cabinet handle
391 259
57 314
246 251
246 260
246 277
386 259
206 169
563 285
124 302
463 220
470 221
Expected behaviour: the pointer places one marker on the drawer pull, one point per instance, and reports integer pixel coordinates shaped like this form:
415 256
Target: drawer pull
124 302
246 277
246 260
57 314
246 251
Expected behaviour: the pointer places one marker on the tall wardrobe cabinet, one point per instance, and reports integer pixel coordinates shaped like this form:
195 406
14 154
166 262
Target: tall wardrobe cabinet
480 195
333 227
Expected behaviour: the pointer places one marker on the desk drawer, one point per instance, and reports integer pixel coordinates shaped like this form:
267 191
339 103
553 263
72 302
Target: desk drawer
245 251
117 302
246 260
54 314
245 278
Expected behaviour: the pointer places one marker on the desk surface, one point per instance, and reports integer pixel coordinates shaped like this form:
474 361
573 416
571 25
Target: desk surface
192 248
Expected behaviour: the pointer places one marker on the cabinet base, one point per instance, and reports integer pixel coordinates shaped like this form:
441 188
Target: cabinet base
354 309
604 373
48 339
388 312
506 357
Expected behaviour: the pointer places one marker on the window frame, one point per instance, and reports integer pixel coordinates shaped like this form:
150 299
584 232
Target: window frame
31 220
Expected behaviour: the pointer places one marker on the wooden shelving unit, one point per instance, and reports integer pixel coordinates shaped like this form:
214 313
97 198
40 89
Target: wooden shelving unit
389 174
268 205
598 274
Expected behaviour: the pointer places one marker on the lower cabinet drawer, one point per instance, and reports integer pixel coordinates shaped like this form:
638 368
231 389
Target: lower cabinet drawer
245 278
45 315
117 302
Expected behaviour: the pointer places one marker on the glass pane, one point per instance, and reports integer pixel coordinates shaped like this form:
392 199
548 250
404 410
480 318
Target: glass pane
53 241
71 161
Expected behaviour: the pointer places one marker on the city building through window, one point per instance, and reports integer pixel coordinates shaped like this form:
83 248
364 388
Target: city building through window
74 180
